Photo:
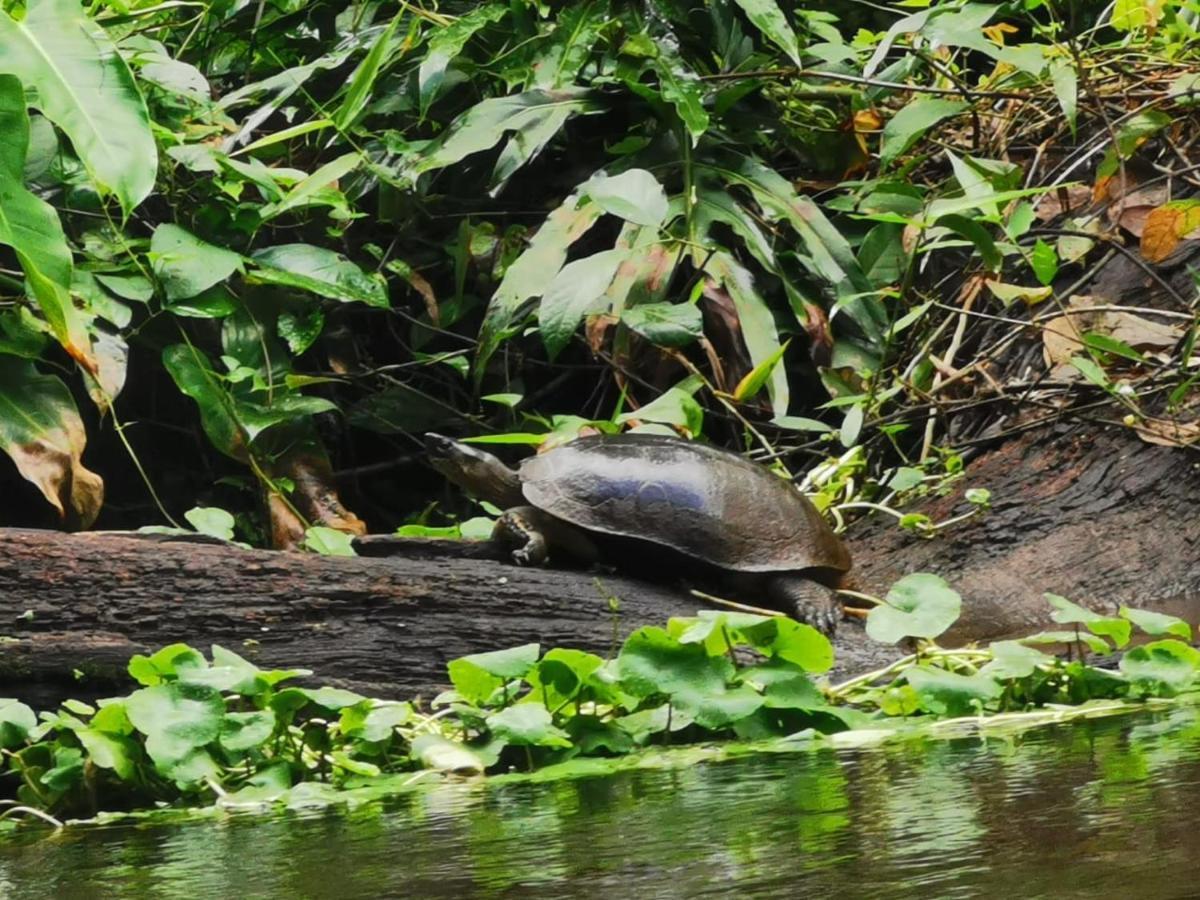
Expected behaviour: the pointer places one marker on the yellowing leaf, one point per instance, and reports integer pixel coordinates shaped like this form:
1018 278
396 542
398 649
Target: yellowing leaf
1166 226
1007 293
41 430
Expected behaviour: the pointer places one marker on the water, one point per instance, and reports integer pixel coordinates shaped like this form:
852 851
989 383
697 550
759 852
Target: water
1090 809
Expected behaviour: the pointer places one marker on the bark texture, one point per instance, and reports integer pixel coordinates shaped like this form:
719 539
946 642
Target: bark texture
382 626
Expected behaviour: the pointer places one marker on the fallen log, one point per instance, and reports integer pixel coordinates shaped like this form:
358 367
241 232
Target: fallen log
1094 514
385 627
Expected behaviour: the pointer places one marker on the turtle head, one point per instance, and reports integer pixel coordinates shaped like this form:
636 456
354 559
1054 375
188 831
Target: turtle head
477 472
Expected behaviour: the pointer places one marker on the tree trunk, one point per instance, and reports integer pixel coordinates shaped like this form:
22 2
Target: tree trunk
1095 515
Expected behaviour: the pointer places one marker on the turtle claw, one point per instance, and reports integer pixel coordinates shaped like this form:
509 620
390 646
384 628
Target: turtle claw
822 616
809 602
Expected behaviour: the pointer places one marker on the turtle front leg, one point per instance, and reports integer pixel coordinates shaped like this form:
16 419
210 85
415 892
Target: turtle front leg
809 601
534 534
523 528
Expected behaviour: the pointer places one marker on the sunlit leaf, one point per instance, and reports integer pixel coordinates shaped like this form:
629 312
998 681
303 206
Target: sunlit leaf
918 605
87 90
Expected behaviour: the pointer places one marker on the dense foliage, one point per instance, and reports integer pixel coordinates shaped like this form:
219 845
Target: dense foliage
221 729
331 226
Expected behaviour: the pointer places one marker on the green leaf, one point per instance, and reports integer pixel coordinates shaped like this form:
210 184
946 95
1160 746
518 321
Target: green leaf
757 378
680 86
110 751
511 663
194 376
852 425
176 720
1157 623
768 18
86 89
478 676
242 731
1092 372
374 720
16 721
43 434
328 541
1012 659
358 93
445 44
31 227
211 520
1105 344
319 271
665 324
332 698
484 124
438 753
576 291
675 406
527 724
533 271
1066 613
783 638
907 126
308 190
758 323
1044 261
634 195
186 265
950 694
1069 638
1171 665
977 235
918 605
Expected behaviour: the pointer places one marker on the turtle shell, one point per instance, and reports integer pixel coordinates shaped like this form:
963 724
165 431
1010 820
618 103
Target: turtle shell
700 501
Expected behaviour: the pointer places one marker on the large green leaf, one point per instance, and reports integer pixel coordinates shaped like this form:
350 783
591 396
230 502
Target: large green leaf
446 43
41 430
187 265
634 195
575 293
31 227
918 605
178 720
683 89
758 325
770 20
1168 664
87 90
358 93
193 374
906 127
530 275
319 271
483 125
576 31
1068 613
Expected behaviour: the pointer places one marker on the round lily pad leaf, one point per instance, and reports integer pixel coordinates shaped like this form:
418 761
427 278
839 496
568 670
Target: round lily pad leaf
920 605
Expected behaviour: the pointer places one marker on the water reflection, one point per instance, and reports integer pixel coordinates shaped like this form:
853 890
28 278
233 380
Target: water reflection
1095 807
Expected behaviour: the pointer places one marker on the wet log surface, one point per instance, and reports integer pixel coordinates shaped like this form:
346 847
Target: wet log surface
1095 515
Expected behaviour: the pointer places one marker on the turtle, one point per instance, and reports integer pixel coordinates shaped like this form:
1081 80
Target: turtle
660 495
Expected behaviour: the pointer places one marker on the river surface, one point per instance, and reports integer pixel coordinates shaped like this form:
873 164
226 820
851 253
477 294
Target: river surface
1101 808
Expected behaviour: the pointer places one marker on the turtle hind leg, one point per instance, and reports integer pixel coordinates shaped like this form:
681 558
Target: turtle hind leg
809 601
536 534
